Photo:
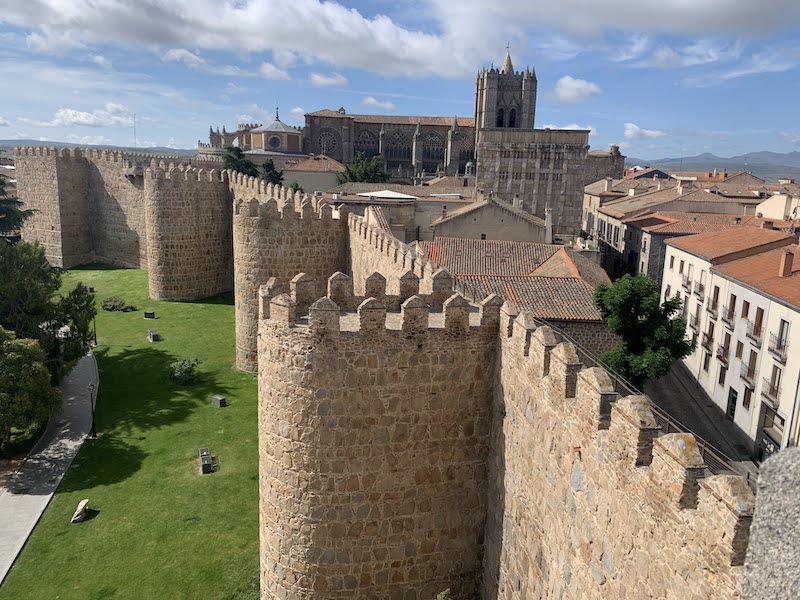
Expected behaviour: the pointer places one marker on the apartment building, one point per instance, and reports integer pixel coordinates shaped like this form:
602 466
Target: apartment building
741 293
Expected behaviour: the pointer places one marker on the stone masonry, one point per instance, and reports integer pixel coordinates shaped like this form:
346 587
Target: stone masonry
405 453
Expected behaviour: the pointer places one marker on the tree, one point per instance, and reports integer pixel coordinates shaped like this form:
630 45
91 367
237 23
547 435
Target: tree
26 396
652 334
12 215
31 308
370 170
235 160
271 174
296 187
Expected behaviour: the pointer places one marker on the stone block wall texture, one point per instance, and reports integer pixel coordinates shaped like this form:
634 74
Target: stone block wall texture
188 220
116 205
373 441
595 338
37 185
587 500
278 234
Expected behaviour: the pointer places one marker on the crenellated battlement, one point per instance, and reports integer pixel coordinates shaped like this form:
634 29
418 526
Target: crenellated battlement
180 174
342 312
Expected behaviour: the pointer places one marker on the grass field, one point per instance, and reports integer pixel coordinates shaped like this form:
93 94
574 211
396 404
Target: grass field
161 530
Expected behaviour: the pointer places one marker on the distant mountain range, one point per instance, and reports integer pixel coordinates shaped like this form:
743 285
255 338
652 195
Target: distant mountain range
6 146
764 164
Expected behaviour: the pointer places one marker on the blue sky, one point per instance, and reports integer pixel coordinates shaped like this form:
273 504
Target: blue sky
658 77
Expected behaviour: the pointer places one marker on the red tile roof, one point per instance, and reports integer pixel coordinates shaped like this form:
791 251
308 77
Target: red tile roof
551 298
462 256
318 164
731 244
761 272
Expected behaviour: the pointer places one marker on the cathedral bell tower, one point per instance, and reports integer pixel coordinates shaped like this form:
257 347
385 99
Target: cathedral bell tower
505 98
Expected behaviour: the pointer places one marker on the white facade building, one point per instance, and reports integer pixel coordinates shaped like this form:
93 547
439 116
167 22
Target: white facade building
741 292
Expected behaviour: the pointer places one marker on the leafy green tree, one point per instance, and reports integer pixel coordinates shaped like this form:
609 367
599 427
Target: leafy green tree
235 160
652 333
296 187
370 170
271 174
31 308
26 396
12 215
445 595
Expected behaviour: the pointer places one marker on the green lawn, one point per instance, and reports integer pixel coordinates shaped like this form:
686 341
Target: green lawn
161 530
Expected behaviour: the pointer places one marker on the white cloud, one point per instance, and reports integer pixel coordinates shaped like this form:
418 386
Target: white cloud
375 103
574 126
699 52
91 140
789 137
330 32
193 61
232 88
111 115
297 116
101 60
632 131
4 122
270 71
569 90
320 80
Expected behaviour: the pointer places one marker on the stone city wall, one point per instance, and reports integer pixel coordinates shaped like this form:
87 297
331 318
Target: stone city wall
37 185
588 500
373 441
188 220
278 234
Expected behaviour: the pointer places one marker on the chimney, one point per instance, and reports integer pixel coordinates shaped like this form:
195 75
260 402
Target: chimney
631 191
787 258
608 184
767 225
517 202
660 185
548 225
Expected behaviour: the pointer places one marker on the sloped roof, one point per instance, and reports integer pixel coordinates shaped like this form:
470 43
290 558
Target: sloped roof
723 245
395 119
387 194
318 164
462 256
276 125
761 272
674 222
569 263
552 298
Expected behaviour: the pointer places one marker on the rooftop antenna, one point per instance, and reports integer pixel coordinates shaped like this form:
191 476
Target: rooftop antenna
277 118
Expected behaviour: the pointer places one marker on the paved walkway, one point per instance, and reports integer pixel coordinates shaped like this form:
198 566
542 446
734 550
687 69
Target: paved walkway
28 492
678 395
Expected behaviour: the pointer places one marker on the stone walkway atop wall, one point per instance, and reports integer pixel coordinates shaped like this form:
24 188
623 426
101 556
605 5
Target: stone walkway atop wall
28 492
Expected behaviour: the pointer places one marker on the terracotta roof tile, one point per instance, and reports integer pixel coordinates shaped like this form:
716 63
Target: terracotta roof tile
552 298
318 164
761 272
731 244
486 257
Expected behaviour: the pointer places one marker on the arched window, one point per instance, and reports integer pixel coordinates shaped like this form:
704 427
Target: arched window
512 118
398 147
432 151
500 117
367 143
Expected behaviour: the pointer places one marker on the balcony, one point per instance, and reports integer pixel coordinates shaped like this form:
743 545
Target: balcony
686 282
707 341
778 347
728 315
699 290
771 392
722 353
748 373
712 307
755 331
694 323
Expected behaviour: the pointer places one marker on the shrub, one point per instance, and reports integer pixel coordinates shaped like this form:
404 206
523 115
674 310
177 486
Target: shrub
184 371
114 304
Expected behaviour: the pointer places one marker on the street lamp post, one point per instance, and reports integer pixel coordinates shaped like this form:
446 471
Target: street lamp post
92 431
